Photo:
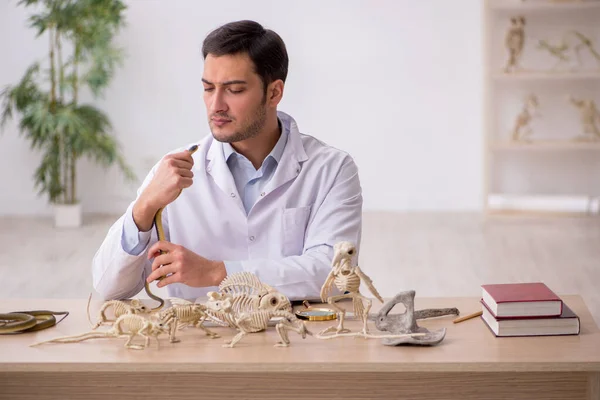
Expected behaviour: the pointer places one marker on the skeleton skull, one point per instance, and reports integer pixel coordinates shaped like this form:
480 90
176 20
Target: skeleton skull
343 252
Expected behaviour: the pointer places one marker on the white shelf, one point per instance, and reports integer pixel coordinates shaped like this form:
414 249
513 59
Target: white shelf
556 145
516 6
546 76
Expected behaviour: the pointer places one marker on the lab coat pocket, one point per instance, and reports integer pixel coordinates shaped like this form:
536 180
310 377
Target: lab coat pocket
295 221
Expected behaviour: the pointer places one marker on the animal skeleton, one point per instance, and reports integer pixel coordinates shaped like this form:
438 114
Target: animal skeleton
184 313
254 320
559 51
119 308
248 294
589 115
127 325
347 278
515 41
522 128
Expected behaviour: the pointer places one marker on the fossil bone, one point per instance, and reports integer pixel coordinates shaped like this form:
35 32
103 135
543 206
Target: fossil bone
514 42
119 308
406 322
589 115
522 127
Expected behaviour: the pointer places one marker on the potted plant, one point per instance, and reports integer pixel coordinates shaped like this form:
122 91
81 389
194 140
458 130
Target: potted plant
80 53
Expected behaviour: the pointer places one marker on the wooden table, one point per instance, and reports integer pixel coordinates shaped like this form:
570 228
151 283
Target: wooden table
469 364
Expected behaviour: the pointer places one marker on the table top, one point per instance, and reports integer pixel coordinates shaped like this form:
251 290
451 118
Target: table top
468 346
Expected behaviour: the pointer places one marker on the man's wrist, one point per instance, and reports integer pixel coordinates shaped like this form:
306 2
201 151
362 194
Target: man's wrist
219 272
143 215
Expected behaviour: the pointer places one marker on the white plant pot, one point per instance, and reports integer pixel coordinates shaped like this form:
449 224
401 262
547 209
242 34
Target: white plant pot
67 215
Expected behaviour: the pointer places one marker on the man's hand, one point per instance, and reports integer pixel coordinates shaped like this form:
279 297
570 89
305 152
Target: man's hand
172 175
184 266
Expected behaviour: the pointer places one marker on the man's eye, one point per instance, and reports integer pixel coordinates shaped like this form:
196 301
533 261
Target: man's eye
208 89
236 91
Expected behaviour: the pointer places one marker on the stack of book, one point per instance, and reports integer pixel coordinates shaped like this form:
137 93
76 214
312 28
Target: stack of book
526 309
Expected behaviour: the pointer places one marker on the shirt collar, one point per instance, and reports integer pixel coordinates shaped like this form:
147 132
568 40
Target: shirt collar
275 154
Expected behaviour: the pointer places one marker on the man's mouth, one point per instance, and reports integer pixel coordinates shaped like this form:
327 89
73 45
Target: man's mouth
220 121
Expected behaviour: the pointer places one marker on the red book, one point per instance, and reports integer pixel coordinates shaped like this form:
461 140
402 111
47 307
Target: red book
565 324
533 299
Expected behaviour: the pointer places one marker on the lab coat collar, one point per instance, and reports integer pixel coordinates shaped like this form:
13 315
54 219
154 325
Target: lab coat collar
288 169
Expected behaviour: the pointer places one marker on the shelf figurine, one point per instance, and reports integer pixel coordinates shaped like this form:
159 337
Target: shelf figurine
514 42
522 127
590 118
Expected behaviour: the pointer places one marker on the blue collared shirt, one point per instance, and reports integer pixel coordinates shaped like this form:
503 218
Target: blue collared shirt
248 180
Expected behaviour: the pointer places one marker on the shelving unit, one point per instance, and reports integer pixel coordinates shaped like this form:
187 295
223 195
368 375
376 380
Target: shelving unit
551 172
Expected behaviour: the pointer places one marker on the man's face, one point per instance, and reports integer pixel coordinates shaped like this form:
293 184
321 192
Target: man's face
234 97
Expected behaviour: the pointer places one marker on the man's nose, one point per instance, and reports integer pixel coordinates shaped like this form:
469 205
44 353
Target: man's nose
218 103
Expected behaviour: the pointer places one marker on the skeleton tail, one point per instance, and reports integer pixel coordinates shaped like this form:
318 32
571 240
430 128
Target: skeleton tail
76 338
88 311
435 312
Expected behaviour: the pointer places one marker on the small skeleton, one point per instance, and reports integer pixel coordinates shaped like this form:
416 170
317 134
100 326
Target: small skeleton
561 50
522 127
254 321
127 325
585 42
184 313
248 294
590 116
119 308
347 278
514 42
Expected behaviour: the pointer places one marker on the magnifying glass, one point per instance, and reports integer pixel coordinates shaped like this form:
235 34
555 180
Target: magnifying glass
310 313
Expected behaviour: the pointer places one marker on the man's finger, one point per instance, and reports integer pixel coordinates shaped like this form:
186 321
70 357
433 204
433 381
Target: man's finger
168 280
186 173
162 271
163 245
163 259
184 158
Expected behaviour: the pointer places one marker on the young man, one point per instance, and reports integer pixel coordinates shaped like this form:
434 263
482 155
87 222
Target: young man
256 196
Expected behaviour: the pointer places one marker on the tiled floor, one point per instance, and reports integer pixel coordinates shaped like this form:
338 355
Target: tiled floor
435 254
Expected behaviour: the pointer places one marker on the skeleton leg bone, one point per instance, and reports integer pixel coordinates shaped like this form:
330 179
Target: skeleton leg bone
341 314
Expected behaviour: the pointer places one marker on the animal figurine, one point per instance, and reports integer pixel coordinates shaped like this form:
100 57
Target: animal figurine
249 293
127 325
251 321
590 117
514 42
522 127
347 277
406 322
119 308
184 313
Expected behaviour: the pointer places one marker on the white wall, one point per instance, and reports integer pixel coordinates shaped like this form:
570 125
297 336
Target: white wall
396 83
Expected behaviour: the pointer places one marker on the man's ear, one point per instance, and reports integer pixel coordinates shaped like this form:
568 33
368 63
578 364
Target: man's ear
275 92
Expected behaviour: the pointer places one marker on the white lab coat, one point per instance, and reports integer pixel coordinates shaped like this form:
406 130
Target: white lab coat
313 200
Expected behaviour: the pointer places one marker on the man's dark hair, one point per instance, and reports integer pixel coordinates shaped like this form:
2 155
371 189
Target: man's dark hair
264 47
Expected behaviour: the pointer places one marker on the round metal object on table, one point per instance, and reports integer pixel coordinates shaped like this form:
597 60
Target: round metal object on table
310 313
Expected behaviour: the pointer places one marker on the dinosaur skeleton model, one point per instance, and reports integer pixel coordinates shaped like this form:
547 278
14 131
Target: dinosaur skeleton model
254 321
406 323
247 304
515 41
589 117
347 278
184 313
119 308
248 294
522 127
127 325
560 50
